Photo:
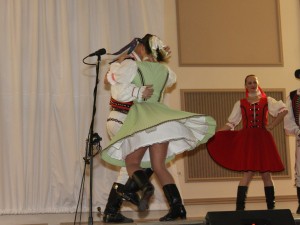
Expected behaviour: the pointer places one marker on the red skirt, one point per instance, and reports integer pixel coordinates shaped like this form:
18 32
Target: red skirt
250 149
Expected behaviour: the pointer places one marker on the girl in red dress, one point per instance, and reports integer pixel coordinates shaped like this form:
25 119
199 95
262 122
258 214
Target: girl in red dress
251 149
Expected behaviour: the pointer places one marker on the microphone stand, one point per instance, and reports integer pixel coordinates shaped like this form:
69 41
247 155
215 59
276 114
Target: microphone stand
91 135
93 139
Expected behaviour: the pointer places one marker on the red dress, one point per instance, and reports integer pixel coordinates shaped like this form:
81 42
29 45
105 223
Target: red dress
250 149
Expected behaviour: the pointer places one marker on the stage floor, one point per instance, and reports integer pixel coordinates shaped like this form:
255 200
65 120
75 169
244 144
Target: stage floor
188 221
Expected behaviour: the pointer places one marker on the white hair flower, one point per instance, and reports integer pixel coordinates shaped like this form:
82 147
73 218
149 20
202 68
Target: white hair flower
157 44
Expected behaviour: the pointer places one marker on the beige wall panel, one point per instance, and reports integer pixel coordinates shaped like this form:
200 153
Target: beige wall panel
228 33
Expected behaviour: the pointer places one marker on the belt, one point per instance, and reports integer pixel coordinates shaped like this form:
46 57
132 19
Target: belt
120 110
122 107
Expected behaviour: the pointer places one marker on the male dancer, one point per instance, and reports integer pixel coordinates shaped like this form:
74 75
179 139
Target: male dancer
125 188
291 126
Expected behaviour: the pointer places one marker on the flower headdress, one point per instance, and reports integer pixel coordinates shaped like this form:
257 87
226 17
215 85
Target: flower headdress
157 45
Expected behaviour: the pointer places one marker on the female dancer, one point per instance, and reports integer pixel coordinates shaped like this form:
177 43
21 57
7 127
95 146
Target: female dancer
252 148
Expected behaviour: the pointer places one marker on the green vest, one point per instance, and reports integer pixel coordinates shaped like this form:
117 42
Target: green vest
155 74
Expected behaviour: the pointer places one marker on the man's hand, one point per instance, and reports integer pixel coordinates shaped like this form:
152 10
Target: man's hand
147 93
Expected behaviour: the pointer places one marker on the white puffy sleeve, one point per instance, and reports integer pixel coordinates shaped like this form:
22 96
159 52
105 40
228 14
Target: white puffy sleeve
126 92
120 76
290 125
123 72
236 115
275 106
172 78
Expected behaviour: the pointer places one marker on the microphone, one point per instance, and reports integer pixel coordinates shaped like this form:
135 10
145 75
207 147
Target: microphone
297 73
101 51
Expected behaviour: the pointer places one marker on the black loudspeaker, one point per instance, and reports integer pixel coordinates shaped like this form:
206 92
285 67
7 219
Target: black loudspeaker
250 217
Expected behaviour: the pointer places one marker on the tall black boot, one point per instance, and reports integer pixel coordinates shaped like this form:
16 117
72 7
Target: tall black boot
270 197
177 209
298 195
241 197
131 188
142 181
112 212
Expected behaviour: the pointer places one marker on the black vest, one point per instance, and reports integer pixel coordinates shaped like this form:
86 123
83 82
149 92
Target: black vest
295 99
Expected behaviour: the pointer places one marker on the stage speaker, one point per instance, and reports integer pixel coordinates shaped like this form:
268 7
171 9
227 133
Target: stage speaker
250 217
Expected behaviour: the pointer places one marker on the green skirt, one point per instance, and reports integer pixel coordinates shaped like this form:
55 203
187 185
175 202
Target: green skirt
148 123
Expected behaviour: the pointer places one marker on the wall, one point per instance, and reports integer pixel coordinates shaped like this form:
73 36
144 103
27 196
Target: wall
233 77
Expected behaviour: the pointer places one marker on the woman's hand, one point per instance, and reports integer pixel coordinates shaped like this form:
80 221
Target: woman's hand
167 49
269 127
105 79
277 120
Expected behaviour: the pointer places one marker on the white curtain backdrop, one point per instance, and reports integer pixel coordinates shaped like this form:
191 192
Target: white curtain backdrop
46 97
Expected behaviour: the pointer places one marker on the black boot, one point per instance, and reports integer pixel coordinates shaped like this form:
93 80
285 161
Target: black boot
298 195
241 197
177 209
129 192
141 179
112 212
131 188
270 197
